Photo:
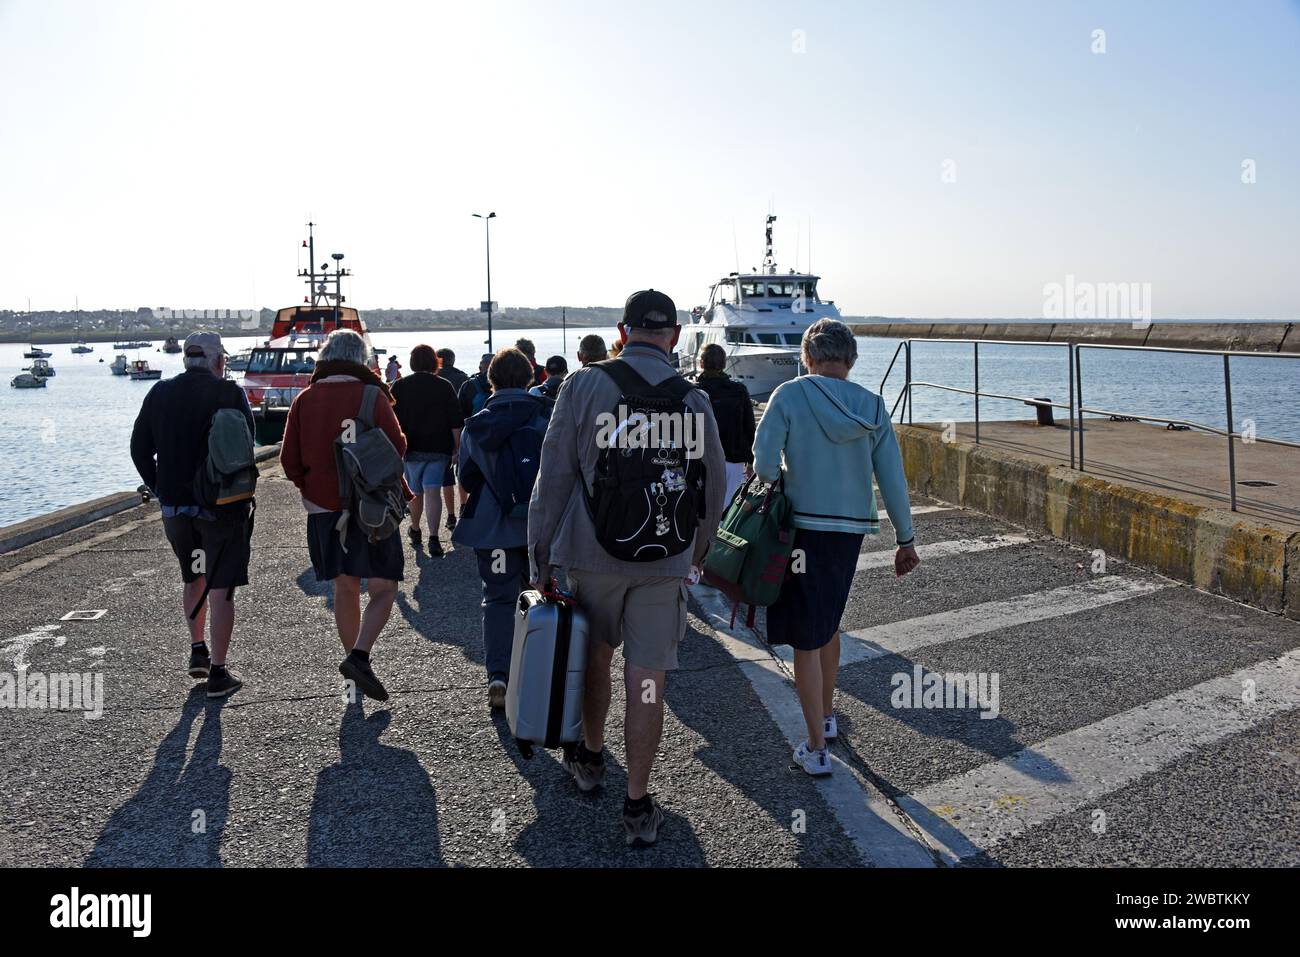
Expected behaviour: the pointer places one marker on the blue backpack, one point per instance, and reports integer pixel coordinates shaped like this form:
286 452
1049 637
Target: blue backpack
514 469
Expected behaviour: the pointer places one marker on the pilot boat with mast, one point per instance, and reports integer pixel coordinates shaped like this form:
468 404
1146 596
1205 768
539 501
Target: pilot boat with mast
759 318
282 367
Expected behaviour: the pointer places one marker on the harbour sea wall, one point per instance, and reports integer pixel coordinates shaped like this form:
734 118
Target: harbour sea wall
75 516
1219 336
1211 548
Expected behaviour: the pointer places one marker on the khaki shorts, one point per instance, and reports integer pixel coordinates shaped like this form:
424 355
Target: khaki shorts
647 616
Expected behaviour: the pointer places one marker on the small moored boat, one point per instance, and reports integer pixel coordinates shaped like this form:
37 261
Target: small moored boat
140 371
41 368
25 380
119 365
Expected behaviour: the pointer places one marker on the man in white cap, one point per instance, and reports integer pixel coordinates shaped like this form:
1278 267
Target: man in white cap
168 443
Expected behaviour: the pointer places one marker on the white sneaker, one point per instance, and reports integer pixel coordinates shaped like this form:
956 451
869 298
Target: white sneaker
497 695
830 730
816 763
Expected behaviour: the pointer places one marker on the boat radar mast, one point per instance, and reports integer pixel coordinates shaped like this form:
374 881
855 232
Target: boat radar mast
318 282
769 262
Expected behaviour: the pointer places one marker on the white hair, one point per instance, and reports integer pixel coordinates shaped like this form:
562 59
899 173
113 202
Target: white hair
203 362
829 340
343 345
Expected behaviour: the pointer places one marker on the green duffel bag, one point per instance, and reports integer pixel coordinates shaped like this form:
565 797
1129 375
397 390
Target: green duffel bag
751 551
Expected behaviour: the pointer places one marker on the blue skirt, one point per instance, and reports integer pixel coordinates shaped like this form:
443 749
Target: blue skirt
807 613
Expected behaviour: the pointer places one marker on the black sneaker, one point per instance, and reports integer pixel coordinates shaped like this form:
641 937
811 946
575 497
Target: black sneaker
415 535
587 767
222 683
435 548
200 661
451 522
641 823
358 670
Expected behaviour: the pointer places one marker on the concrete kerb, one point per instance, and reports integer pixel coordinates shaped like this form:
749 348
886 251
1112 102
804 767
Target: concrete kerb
1209 548
33 530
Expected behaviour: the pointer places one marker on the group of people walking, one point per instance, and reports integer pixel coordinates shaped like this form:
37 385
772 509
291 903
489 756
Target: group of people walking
520 448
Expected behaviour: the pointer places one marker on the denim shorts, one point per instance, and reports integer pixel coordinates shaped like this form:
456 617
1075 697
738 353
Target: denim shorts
427 470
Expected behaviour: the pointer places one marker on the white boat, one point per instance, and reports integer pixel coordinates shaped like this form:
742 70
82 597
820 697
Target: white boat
81 348
759 318
140 371
41 368
25 380
119 365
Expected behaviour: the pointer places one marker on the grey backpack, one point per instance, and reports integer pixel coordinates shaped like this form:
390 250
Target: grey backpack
370 476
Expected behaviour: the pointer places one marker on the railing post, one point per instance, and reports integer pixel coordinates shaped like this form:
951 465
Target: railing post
909 381
977 393
1232 457
1069 375
1078 398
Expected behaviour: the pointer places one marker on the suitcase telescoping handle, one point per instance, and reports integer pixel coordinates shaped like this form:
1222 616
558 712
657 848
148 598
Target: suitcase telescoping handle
550 592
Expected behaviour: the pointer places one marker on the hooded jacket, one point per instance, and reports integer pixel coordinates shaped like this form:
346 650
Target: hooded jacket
482 524
829 437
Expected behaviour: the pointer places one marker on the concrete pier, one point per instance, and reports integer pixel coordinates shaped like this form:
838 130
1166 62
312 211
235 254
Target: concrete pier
1117 718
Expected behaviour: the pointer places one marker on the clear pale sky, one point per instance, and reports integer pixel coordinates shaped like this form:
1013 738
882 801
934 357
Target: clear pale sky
168 153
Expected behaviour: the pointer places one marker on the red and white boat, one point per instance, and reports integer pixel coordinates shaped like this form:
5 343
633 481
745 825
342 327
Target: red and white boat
282 367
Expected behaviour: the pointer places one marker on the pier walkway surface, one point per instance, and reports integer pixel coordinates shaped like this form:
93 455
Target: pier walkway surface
1136 720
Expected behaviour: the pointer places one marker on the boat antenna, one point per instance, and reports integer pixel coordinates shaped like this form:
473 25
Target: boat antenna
769 263
735 246
797 224
810 246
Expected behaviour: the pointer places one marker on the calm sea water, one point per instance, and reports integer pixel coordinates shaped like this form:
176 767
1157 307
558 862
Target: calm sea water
69 442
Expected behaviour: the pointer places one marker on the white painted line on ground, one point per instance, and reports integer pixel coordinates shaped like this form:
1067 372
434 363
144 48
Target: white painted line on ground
976 810
923 510
884 558
870 822
900 637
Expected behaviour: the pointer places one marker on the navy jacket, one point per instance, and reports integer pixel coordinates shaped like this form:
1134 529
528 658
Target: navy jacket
170 438
481 523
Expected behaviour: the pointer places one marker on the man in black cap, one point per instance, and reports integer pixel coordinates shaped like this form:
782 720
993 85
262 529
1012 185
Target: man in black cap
639 604
168 443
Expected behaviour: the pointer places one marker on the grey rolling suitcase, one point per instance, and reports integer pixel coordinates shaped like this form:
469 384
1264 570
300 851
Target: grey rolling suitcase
549 657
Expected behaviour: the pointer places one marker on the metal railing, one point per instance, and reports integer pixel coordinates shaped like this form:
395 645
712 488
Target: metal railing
1076 407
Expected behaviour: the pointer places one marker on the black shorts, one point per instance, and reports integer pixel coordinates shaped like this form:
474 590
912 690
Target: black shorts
807 613
218 549
362 559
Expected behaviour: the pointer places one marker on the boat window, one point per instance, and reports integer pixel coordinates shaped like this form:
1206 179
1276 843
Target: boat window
793 338
770 338
737 335
264 361
751 290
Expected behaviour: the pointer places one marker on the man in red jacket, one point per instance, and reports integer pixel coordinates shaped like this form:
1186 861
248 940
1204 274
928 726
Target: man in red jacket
307 453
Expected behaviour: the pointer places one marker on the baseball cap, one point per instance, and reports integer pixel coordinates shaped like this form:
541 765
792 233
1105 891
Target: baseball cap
649 309
204 344
556 365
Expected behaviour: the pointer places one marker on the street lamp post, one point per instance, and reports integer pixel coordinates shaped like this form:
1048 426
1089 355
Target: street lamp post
487 235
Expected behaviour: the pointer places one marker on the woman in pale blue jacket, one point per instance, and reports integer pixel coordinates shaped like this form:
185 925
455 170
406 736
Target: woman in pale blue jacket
827 436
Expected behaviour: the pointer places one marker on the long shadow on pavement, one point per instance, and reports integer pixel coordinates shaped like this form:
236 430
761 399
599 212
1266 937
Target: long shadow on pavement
374 807
443 603
178 815
573 829
745 747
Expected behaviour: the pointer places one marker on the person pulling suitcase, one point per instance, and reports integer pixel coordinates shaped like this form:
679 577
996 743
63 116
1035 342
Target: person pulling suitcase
629 521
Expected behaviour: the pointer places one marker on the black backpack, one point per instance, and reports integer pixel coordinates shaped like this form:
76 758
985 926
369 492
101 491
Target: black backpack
646 502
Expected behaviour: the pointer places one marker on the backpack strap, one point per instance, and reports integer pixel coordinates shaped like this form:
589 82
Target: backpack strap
366 414
629 380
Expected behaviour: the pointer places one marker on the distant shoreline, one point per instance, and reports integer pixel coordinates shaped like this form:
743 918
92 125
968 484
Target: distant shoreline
65 337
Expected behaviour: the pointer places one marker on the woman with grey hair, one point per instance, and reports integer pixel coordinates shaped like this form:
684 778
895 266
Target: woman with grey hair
825 437
307 453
